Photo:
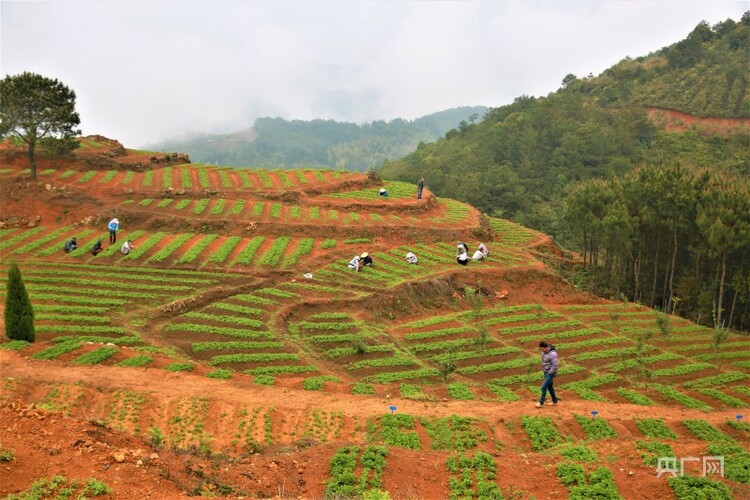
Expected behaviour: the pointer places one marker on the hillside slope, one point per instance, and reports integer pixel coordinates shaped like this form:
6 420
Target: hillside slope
234 353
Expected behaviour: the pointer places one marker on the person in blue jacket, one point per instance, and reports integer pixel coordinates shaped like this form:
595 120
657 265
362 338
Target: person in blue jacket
113 225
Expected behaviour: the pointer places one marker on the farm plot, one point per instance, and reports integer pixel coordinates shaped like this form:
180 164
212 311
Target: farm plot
396 189
507 233
90 308
353 346
235 334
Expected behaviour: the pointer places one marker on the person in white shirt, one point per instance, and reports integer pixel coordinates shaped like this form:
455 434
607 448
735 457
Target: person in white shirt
411 258
126 247
354 263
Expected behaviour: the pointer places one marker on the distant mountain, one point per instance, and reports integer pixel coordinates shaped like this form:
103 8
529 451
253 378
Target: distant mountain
278 143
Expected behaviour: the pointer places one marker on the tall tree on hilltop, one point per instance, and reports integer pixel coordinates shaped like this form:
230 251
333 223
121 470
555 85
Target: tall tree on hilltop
38 110
19 315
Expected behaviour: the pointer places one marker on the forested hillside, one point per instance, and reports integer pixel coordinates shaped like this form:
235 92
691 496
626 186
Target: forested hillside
674 233
275 142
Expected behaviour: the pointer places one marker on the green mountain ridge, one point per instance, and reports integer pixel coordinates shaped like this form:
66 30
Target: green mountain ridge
279 143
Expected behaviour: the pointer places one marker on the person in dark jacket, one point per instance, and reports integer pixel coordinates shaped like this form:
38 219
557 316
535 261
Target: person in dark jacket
71 245
97 247
550 364
365 259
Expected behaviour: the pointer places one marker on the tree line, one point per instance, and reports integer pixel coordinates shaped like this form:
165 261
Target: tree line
668 237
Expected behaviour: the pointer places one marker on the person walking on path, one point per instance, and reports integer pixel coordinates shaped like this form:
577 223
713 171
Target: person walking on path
113 225
420 187
550 363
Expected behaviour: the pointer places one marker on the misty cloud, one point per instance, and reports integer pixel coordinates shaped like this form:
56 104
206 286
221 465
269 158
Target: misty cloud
149 70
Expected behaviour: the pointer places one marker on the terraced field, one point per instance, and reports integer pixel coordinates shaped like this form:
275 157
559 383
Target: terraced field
236 327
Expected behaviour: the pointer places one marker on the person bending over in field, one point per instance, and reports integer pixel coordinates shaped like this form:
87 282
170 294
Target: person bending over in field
71 245
354 264
127 247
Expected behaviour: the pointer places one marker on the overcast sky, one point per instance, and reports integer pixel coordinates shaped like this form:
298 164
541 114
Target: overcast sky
148 70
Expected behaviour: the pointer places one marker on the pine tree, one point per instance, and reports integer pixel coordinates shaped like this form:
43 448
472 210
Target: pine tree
19 315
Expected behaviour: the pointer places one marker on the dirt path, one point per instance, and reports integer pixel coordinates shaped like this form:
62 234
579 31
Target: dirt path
174 385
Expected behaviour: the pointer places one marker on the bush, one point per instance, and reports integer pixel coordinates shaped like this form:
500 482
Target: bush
19 315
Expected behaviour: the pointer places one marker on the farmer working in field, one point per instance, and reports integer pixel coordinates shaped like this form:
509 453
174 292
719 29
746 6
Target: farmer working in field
113 225
71 244
550 363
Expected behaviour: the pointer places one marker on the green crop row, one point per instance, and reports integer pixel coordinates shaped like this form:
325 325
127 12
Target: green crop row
655 428
218 330
541 431
305 247
460 391
56 351
232 320
173 245
682 369
274 370
135 361
197 249
439 346
705 431
247 253
537 327
596 428
502 365
672 393
273 255
481 469
222 254
39 242
724 398
720 379
445 332
384 378
327 326
250 311
351 351
240 345
599 484
80 318
381 362
394 429
96 356
481 352
262 357
629 364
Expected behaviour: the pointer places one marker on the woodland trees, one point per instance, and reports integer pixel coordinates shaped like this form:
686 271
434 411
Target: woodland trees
670 238
655 213
38 110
